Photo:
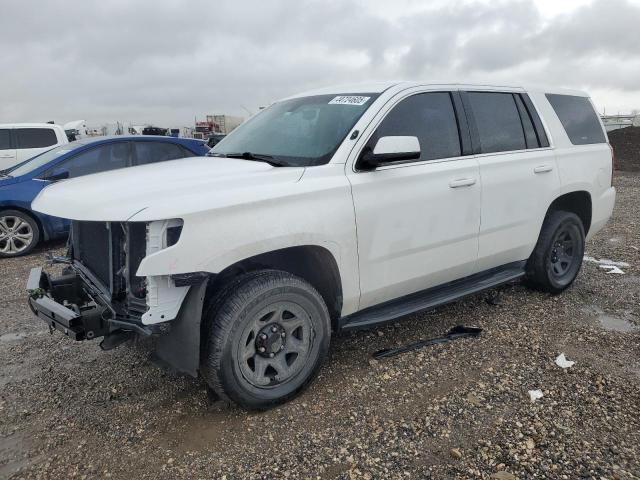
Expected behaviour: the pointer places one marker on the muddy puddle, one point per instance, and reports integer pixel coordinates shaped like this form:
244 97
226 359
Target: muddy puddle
205 433
13 451
12 337
612 323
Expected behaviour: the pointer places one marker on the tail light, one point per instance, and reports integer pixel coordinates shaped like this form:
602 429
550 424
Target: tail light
613 162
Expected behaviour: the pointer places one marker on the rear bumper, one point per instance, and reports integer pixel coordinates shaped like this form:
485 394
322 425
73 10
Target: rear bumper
69 303
602 211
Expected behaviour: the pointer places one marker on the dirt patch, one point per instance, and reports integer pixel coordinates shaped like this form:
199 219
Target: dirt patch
626 145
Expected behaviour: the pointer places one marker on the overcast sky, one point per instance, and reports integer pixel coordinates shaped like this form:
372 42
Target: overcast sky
164 62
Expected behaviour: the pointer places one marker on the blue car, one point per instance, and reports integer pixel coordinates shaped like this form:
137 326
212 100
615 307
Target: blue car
21 229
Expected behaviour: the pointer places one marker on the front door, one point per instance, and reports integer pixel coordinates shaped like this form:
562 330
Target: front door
417 222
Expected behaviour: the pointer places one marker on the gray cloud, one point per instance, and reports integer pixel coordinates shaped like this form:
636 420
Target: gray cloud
165 62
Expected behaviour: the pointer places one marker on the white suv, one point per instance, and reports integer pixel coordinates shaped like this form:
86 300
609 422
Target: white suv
331 210
22 141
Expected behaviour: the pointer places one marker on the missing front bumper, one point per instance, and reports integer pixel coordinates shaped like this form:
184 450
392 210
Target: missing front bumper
66 304
71 304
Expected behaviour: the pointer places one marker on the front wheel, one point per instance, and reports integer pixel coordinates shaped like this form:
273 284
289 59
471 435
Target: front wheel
19 233
557 258
266 336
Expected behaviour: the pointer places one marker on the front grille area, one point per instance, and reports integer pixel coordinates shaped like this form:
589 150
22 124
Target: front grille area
112 253
137 250
92 247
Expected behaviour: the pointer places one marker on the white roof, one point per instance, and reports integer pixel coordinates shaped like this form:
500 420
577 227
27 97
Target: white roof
373 87
28 125
379 87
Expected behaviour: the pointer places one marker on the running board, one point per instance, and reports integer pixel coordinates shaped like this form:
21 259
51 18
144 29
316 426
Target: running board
433 297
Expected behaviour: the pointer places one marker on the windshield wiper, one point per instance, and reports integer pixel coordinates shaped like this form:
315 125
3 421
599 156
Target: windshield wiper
258 158
5 173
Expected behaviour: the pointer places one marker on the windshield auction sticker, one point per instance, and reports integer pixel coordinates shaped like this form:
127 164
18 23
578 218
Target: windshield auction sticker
349 100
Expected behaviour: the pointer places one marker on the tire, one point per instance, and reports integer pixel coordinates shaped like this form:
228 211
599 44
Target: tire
19 233
266 335
557 258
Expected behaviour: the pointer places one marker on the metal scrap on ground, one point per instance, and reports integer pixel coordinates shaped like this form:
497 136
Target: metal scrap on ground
459 331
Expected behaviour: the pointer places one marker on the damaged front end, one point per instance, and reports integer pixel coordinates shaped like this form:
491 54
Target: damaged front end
99 294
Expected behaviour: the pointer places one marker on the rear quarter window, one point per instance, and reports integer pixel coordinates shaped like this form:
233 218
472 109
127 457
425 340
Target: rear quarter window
5 139
578 118
35 137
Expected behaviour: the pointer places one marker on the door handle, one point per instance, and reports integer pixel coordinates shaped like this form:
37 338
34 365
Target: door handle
7 156
543 169
462 182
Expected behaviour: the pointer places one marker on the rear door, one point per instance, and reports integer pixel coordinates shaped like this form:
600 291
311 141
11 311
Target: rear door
518 171
7 149
417 221
33 141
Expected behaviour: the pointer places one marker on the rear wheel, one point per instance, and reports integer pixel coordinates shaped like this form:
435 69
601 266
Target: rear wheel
557 258
19 233
266 338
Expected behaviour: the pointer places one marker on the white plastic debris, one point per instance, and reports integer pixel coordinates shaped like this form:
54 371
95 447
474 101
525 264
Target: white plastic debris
612 269
535 395
605 262
562 361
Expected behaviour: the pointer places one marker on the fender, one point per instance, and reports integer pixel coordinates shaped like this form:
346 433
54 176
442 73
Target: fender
180 347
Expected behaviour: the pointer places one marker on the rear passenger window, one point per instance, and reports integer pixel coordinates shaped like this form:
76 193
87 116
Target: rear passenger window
578 118
5 139
35 137
153 152
498 122
428 116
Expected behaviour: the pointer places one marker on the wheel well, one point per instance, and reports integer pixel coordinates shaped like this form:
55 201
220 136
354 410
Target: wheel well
314 264
43 233
575 202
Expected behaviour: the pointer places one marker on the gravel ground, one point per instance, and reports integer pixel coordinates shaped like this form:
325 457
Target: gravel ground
457 410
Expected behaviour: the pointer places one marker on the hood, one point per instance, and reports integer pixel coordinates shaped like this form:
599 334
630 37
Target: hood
164 190
4 181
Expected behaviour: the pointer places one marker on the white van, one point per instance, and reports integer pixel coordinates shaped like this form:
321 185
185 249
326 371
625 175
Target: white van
22 141
330 210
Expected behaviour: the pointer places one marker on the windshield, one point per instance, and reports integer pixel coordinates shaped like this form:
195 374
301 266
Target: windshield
40 160
298 132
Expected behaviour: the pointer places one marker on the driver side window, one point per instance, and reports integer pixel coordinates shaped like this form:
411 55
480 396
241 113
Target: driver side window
428 116
94 160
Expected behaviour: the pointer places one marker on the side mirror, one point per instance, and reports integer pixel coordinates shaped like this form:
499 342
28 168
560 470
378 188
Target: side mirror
391 149
58 176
